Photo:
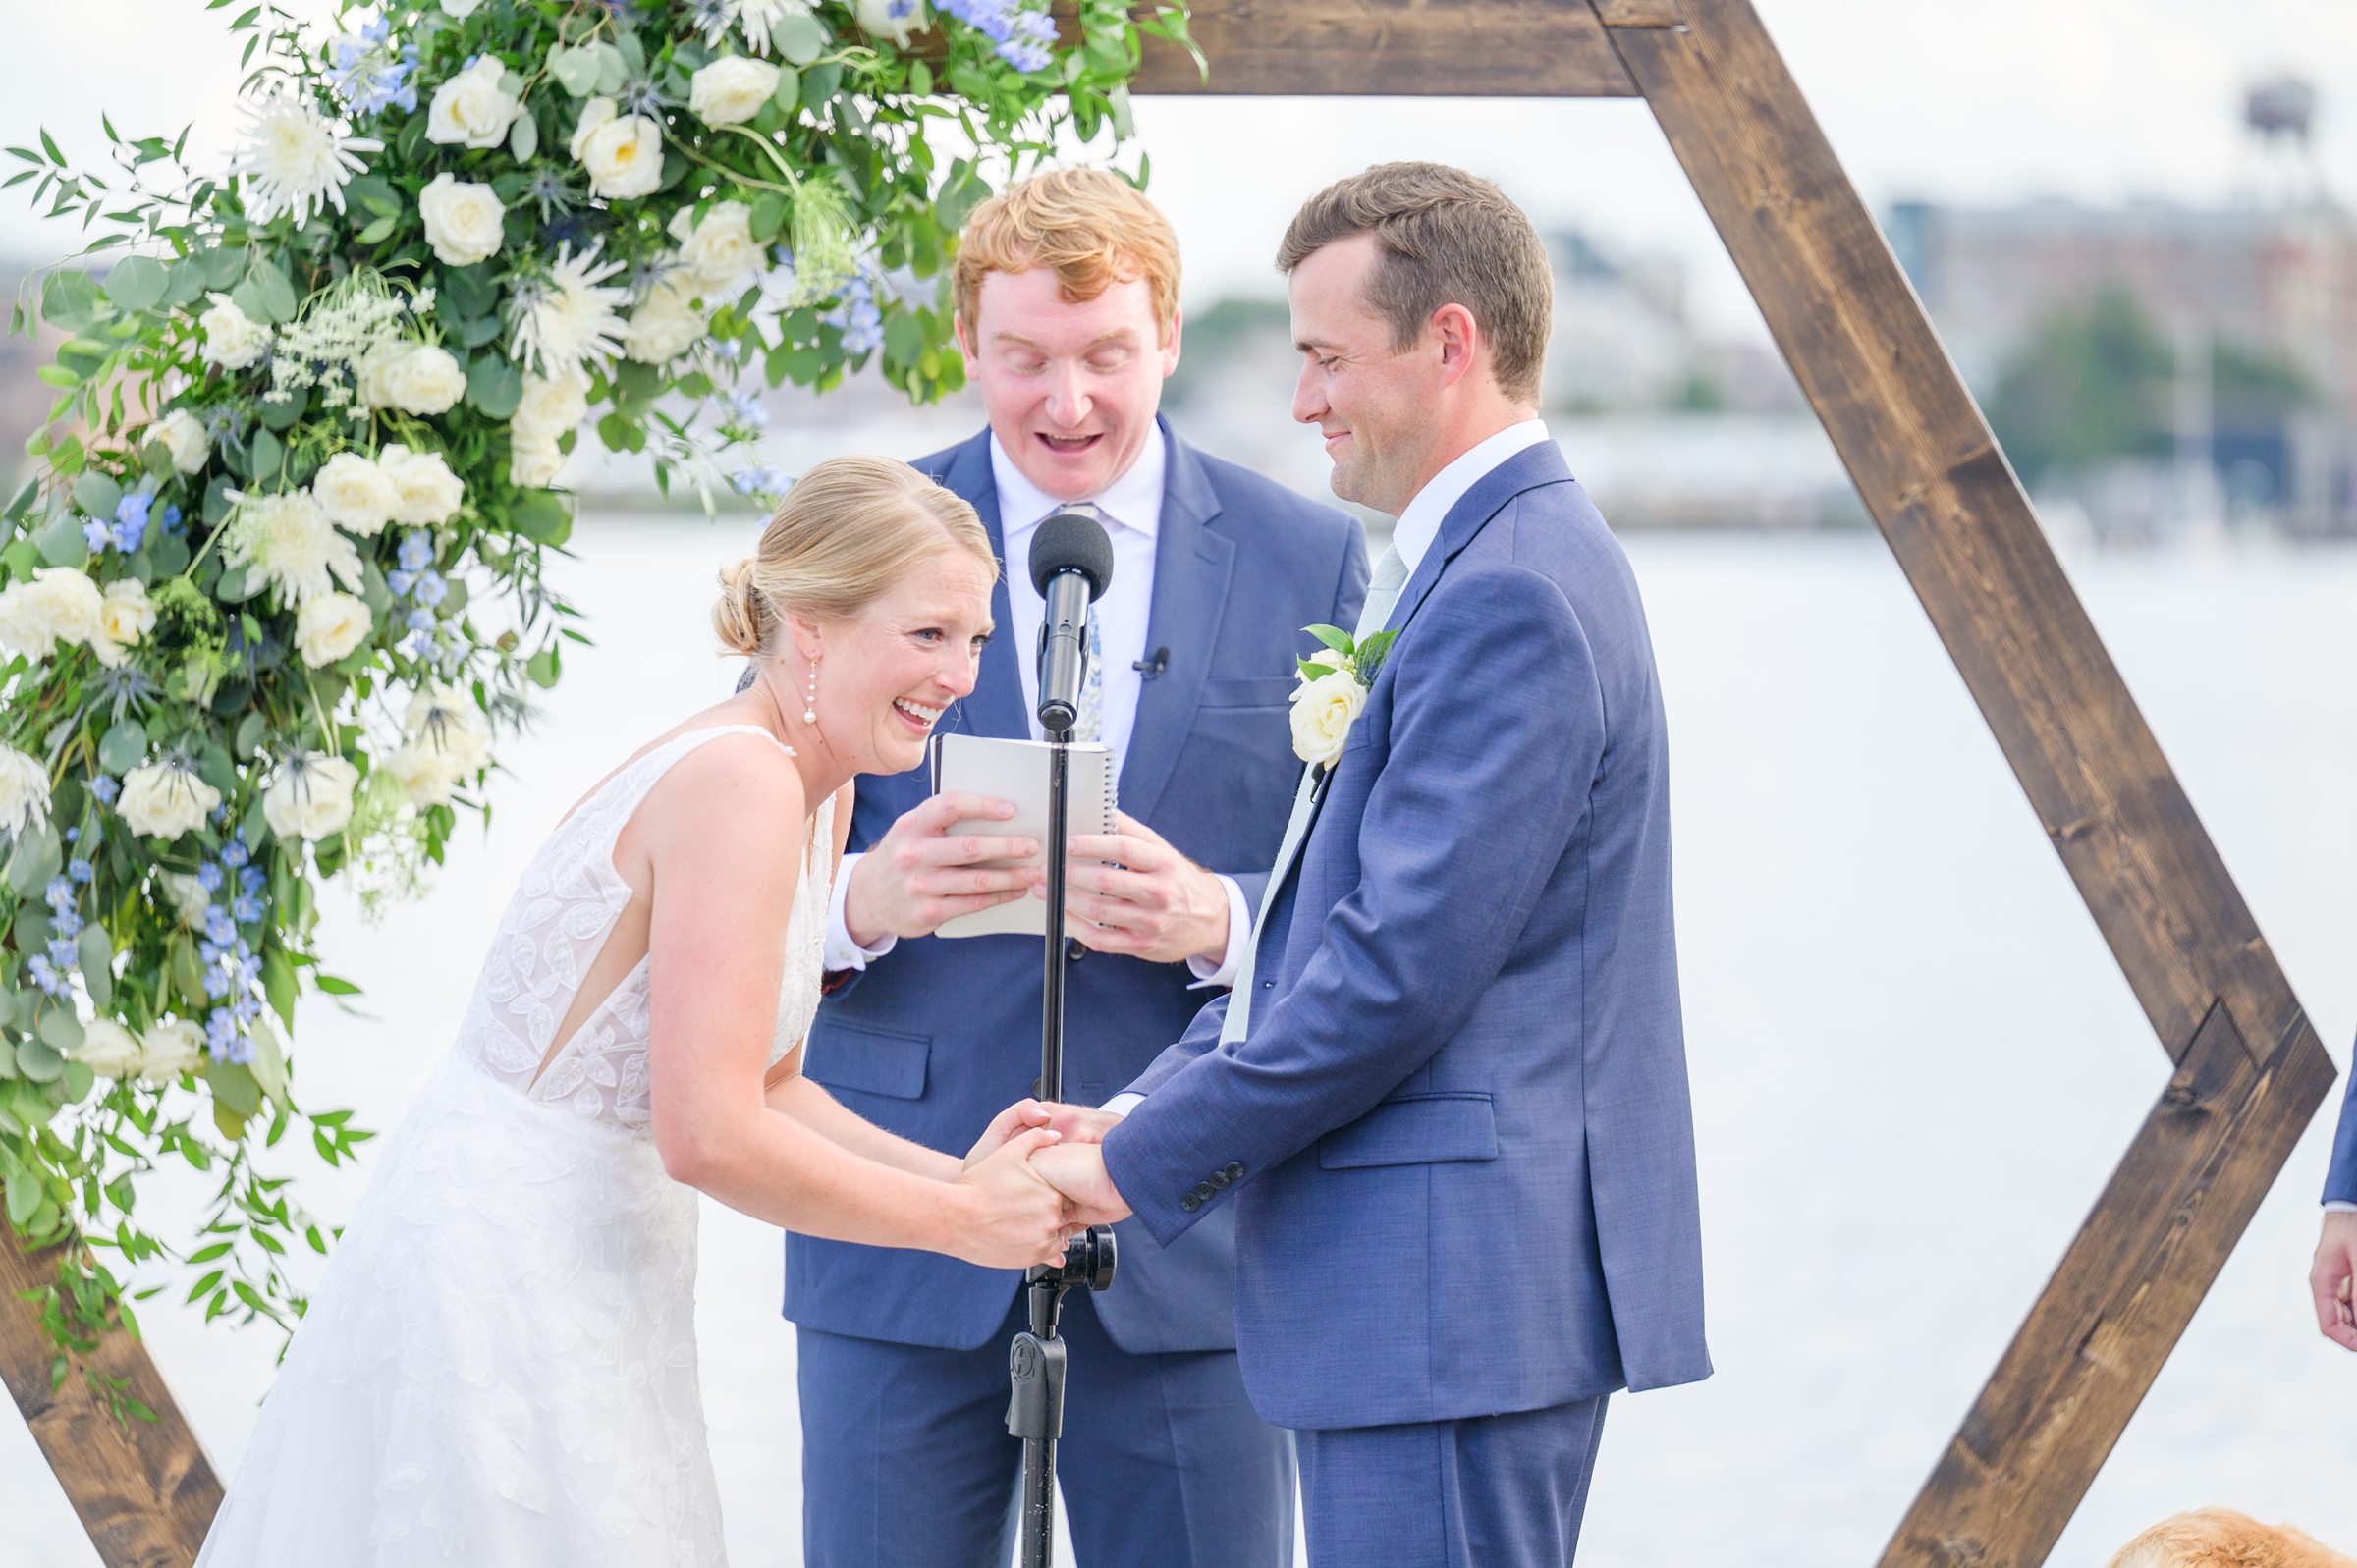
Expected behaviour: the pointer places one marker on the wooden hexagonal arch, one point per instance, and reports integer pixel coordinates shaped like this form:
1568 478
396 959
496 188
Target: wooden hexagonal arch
2248 1070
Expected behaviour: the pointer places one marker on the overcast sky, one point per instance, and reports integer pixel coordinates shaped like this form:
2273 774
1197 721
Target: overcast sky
2102 100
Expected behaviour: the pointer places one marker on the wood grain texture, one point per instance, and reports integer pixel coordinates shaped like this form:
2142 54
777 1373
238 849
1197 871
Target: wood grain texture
2009 1481
144 1490
1397 48
1928 468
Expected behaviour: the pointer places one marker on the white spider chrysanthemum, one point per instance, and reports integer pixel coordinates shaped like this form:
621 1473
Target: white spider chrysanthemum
755 18
568 318
294 159
288 540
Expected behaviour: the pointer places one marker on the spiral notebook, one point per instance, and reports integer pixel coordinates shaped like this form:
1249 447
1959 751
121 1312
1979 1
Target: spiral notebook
1018 771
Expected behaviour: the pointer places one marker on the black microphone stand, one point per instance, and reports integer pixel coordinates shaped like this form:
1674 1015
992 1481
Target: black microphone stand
1036 1360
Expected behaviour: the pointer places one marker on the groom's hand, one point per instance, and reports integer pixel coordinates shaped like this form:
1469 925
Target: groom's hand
1154 903
1019 1117
1077 1170
1079 1123
2331 1280
921 874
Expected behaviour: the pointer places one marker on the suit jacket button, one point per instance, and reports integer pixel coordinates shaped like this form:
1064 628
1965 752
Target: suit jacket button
1074 947
1203 1190
1190 1202
1233 1173
1221 1179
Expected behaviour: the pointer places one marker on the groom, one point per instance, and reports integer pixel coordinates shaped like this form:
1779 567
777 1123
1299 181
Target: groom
1446 1101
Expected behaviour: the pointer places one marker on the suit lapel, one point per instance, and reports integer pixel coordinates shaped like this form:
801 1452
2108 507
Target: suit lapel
1191 568
995 707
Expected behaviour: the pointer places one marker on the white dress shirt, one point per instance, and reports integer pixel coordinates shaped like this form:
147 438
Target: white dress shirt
1130 508
1418 527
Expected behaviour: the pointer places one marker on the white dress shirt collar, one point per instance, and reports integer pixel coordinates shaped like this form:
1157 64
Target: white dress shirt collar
1420 524
1135 500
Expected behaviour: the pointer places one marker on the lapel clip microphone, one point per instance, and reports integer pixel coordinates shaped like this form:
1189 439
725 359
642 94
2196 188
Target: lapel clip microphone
1149 668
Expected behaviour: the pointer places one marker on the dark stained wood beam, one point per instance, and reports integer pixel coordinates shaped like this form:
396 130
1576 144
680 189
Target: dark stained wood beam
2250 1070
144 1490
1396 48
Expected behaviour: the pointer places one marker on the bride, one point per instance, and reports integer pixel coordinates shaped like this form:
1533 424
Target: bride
500 1365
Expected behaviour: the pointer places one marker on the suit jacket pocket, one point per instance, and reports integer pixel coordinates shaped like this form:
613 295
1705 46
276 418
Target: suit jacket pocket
872 1060
1247 692
1415 1130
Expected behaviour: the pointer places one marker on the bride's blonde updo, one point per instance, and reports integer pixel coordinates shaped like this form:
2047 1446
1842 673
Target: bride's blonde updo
847 531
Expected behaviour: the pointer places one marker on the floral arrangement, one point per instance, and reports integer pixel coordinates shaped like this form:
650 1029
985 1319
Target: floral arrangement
276 587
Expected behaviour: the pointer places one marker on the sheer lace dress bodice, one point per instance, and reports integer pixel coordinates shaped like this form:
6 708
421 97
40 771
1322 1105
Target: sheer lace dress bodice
565 907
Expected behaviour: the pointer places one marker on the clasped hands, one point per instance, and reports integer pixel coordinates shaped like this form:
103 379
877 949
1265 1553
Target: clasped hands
1056 1146
1149 903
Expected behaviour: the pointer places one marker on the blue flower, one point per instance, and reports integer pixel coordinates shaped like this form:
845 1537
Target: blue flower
251 879
416 551
745 409
223 1039
68 923
210 875
170 519
1030 48
60 894
44 975
73 835
218 925
759 482
420 621
234 854
247 908
63 952
401 581
106 786
98 533
431 590
79 870
245 1009
130 520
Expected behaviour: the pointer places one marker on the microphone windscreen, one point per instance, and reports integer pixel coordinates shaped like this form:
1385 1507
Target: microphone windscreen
1072 541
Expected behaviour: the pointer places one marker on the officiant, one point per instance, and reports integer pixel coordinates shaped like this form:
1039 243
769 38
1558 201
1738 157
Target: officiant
1065 289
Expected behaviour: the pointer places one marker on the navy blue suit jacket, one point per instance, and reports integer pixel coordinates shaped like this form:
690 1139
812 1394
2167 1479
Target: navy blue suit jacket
939 1036
2340 1180
1456 1140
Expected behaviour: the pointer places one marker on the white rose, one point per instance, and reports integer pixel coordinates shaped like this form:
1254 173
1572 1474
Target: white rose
878 20
182 435
328 627
414 377
164 802
731 89
108 1047
464 220
551 405
1324 710
311 798
169 1049
623 153
429 492
473 107
461 10
24 791
125 618
356 493
232 339
189 898
444 720
59 605
534 465
666 323
426 776
720 252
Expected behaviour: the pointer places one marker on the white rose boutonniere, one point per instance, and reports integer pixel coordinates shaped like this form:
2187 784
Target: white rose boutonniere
1333 691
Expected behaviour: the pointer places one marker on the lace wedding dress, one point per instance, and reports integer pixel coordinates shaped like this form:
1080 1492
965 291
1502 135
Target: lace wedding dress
500 1365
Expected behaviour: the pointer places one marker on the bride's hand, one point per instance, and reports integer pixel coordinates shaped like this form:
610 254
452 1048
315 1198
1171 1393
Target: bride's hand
1006 1217
1022 1115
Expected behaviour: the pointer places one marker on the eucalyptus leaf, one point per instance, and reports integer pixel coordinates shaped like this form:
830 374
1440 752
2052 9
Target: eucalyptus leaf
494 387
234 1086
97 495
612 69
523 137
575 70
263 456
61 543
269 1066
59 1028
97 964
36 859
123 747
277 290
136 282
800 37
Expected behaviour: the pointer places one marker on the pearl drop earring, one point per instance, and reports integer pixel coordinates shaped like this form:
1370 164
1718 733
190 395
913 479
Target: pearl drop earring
810 697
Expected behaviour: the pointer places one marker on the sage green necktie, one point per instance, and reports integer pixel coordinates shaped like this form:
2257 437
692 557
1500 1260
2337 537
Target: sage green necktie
1383 592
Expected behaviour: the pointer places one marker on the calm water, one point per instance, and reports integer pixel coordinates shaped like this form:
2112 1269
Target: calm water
1914 1063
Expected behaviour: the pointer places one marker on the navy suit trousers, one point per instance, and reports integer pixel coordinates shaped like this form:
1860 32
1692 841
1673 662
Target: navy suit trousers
906 1462
1484 1491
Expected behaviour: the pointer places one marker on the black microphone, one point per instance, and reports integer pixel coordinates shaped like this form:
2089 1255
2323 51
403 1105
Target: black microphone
1071 562
1149 668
